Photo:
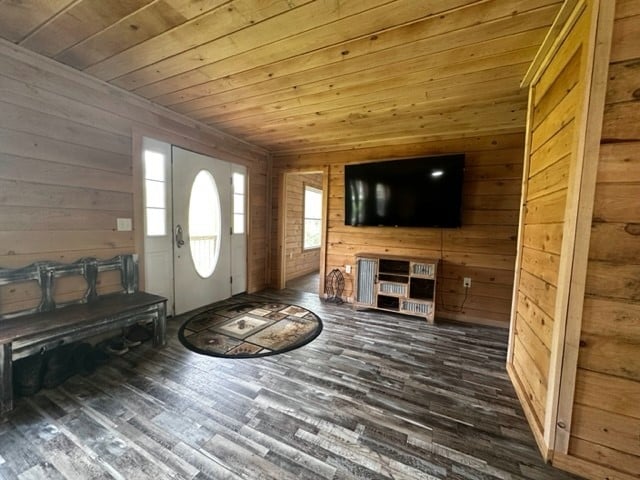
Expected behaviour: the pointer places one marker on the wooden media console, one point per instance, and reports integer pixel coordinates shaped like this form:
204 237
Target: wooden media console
396 284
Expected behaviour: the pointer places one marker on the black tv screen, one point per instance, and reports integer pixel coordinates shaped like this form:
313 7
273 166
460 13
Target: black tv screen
415 192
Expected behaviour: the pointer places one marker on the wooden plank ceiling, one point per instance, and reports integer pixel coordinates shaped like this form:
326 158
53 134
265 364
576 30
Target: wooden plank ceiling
296 76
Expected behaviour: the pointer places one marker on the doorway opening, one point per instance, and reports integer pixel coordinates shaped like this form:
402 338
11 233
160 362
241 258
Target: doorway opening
303 210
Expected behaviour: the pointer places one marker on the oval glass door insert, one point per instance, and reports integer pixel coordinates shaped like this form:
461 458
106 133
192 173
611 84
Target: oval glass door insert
204 223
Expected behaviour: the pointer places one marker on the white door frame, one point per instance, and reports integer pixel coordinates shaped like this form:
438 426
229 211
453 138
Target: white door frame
158 275
138 135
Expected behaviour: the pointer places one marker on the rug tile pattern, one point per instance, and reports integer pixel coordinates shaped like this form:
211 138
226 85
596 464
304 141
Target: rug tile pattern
250 330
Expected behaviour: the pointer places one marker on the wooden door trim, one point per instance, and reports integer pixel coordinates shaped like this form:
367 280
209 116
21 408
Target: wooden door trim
562 24
282 223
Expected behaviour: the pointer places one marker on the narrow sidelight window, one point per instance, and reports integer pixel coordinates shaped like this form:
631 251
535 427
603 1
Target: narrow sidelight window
155 194
239 202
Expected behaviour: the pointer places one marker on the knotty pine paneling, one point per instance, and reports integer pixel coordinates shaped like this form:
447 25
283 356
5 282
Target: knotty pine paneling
606 419
483 248
555 110
298 261
66 168
309 75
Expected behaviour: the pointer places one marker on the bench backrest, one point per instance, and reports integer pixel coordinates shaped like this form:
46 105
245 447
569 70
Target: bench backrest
45 273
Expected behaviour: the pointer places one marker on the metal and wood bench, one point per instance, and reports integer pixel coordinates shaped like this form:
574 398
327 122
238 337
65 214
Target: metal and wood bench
50 324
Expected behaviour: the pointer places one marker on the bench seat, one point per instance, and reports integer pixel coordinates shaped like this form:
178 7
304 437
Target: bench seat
38 332
50 325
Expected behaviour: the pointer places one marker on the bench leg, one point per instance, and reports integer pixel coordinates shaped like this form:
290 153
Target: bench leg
6 378
160 326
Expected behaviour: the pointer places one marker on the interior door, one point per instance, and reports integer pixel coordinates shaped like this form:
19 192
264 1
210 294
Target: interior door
201 229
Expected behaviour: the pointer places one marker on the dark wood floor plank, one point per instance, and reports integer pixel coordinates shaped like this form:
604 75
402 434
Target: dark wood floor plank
376 396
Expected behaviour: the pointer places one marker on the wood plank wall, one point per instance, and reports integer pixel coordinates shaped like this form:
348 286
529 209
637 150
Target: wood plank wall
554 114
66 168
298 261
483 249
605 429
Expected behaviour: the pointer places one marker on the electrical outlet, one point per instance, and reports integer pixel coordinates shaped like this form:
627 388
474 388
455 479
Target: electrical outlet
347 269
467 282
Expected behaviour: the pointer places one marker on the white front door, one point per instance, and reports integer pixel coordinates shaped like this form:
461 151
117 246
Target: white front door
201 229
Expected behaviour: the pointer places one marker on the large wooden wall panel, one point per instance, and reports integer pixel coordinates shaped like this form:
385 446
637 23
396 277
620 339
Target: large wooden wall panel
21 65
66 168
606 423
554 149
13 167
483 248
555 99
531 382
537 319
21 119
25 145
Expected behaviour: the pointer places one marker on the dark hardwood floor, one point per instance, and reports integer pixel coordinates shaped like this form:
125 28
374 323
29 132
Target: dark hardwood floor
375 396
309 283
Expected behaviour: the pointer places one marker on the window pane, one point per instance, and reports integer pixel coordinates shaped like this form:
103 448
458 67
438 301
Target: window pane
154 194
204 223
238 223
156 222
153 166
238 183
238 204
312 203
312 217
312 233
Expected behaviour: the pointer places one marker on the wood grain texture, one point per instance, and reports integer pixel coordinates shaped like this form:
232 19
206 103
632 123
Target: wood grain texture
609 362
483 248
308 75
376 396
556 96
66 162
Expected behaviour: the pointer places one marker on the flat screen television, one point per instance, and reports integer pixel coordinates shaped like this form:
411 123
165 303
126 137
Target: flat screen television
415 192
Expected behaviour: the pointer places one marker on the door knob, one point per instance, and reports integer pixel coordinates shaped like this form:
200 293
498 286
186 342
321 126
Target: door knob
179 240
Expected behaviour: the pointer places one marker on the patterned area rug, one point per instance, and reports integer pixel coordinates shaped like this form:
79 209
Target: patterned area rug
250 330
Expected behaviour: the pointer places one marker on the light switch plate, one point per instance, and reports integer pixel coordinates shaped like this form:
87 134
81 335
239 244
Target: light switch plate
347 269
124 224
